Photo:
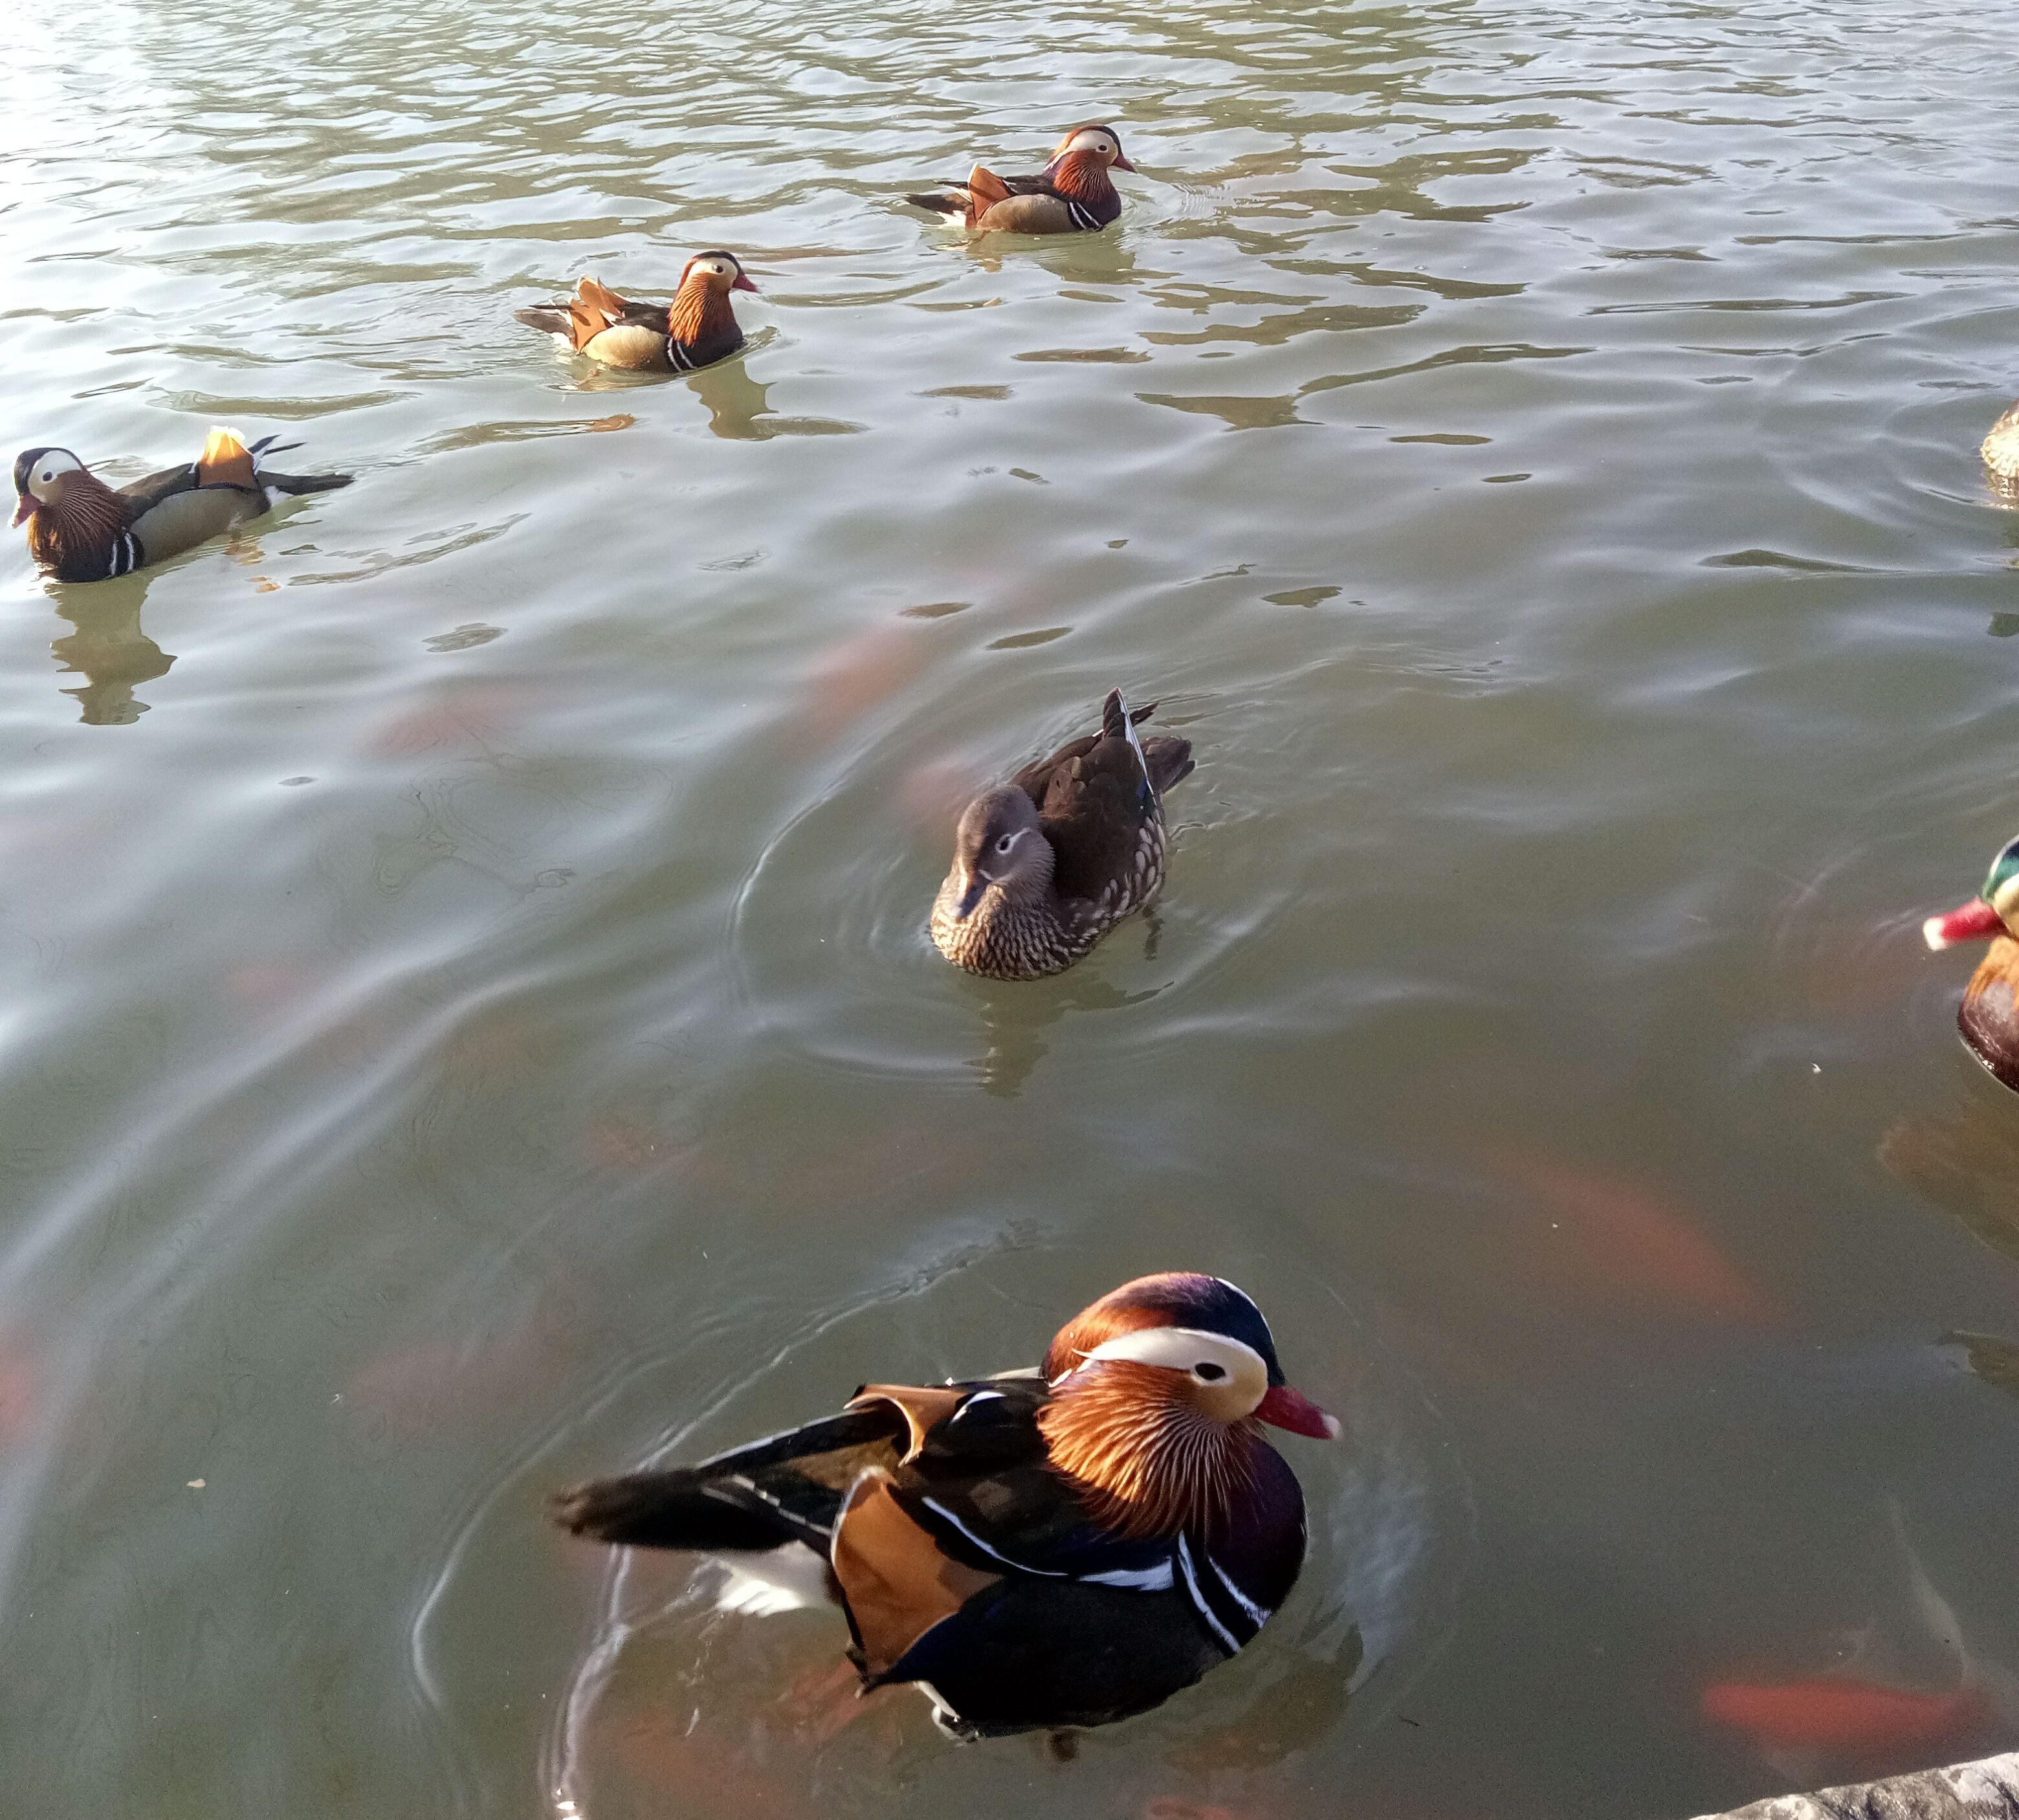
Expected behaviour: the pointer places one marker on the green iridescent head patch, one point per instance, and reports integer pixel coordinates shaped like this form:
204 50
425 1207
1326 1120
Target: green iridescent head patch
2000 880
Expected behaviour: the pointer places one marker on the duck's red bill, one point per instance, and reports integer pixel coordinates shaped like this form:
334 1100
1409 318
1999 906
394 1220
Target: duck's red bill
1975 921
25 506
1122 164
741 282
1284 1407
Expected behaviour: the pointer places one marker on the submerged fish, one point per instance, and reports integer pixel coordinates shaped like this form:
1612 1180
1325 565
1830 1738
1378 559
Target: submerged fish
1830 1712
1803 1725
1622 1240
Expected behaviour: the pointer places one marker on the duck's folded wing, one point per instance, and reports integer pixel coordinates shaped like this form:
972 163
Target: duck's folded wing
1094 810
1035 779
1034 186
977 1478
788 1487
971 1504
152 489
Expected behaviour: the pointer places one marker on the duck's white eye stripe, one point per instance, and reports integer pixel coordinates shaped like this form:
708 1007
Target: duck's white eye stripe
1180 1348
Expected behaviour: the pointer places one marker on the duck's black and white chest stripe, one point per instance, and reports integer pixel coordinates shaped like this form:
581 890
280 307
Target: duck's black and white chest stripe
125 556
1232 1614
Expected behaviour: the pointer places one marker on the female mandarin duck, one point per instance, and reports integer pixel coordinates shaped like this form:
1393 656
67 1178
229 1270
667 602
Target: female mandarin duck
697 329
1072 195
1989 1017
2001 447
1045 865
1058 1547
80 530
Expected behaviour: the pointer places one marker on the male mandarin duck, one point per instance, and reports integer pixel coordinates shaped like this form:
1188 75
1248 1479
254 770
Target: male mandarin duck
1989 1015
1045 865
1061 1546
1072 195
697 329
80 530
2001 447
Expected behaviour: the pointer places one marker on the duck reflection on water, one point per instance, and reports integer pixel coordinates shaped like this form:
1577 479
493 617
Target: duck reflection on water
109 649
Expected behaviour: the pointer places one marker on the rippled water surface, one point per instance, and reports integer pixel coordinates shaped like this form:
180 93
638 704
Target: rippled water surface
467 1019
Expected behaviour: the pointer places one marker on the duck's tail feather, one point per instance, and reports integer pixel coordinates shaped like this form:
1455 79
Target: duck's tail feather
553 318
754 1497
679 1509
952 200
1169 761
305 483
1166 758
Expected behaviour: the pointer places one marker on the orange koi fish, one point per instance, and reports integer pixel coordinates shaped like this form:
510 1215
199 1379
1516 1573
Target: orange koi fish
1825 1713
1622 1237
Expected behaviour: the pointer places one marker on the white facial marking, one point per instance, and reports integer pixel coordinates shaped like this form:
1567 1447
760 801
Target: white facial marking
1010 840
1198 1355
54 462
1230 1378
1092 140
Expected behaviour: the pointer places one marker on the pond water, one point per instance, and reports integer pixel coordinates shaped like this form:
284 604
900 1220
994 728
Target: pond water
467 1019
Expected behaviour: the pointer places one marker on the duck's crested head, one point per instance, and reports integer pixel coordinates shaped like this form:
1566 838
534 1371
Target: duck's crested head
1155 1393
1091 139
39 479
1993 911
717 270
1000 842
1095 140
1192 1338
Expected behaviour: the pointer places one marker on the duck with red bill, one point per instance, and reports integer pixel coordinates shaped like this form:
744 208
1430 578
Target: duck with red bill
1072 195
1064 1545
1989 1014
1282 1407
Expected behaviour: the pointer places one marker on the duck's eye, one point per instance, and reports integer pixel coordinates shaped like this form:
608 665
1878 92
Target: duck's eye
48 474
1209 1371
1007 841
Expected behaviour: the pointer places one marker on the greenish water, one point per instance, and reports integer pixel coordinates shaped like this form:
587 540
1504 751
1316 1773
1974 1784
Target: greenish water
468 1022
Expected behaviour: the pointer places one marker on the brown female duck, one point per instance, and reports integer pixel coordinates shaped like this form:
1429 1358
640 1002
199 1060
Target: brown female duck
1989 1014
80 530
1072 195
1065 1546
1045 865
697 329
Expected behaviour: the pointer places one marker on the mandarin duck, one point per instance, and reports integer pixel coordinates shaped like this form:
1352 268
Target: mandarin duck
1072 195
1045 865
2001 447
697 329
80 530
1989 1015
1059 1547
